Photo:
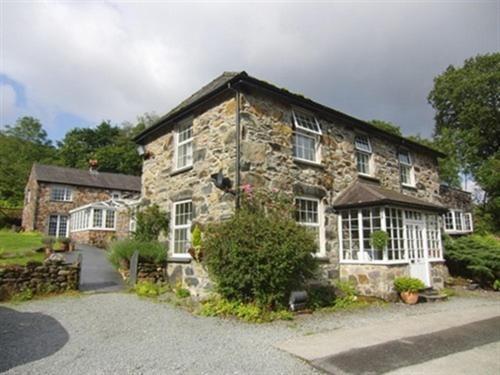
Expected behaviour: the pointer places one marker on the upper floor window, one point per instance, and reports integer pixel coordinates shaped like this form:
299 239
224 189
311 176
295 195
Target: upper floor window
363 154
61 193
406 168
308 213
28 196
184 145
116 195
306 143
458 221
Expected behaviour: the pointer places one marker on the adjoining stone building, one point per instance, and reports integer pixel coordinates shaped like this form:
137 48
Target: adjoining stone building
348 178
52 192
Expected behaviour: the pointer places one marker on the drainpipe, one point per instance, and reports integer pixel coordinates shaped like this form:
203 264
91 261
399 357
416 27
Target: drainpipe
237 178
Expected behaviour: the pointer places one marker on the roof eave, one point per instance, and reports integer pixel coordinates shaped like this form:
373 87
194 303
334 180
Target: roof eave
390 202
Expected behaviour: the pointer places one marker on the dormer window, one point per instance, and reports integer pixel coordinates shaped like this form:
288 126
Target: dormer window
184 145
363 154
307 134
406 168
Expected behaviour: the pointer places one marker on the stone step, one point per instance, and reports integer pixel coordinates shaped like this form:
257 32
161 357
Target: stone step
423 297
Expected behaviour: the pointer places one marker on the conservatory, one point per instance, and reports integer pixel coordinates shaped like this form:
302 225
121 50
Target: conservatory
98 223
413 241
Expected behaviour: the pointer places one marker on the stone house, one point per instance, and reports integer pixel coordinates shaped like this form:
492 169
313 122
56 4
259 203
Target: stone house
53 192
348 178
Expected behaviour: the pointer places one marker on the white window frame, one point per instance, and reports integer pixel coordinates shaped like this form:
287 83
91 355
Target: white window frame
406 165
304 131
67 193
82 219
454 228
178 144
403 252
367 152
116 193
320 224
58 225
187 226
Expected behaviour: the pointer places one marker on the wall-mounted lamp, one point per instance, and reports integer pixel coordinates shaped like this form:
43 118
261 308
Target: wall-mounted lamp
221 182
141 150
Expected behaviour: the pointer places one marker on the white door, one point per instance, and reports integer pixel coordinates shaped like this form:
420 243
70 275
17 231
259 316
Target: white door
419 265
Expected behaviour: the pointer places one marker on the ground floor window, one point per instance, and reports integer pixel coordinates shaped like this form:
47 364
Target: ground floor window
457 221
58 226
309 214
411 234
182 215
93 218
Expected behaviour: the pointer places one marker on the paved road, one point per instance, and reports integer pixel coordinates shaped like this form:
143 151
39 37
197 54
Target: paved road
435 343
97 275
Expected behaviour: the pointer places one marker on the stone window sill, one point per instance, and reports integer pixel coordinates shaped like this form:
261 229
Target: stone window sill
409 187
368 177
308 163
182 170
178 259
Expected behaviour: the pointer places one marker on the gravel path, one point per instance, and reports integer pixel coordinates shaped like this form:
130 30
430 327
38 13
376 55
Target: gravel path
121 333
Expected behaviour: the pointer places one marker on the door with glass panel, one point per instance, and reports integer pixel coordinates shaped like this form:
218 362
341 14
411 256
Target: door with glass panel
419 265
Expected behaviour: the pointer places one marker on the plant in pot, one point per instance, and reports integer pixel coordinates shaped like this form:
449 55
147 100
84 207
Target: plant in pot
196 250
379 240
408 288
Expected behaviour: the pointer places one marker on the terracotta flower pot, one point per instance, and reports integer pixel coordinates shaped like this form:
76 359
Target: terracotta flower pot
410 298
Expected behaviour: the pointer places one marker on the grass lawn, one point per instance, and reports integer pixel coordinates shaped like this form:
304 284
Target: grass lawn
18 248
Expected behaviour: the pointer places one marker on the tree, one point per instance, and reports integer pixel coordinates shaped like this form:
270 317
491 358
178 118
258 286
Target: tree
467 104
387 126
20 146
28 129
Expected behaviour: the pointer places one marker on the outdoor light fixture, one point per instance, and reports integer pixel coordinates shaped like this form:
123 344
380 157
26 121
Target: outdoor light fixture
140 150
221 182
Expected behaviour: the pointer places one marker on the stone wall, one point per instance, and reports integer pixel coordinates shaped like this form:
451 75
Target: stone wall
151 272
30 203
456 198
40 278
193 276
439 274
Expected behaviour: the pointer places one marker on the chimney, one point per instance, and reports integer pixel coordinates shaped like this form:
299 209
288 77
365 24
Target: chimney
93 166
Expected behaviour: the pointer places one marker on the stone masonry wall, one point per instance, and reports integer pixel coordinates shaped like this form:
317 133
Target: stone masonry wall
49 276
456 198
30 207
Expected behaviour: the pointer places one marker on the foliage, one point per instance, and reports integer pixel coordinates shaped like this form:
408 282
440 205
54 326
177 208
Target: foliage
48 241
22 296
18 248
28 129
347 295
182 292
408 284
259 255
122 250
320 296
379 239
249 312
488 177
149 289
475 256
151 222
496 285
387 126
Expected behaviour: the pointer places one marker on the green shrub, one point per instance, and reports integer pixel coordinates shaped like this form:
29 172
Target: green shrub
182 292
149 289
151 222
346 295
476 257
320 296
152 251
259 255
496 285
24 295
379 239
249 312
408 284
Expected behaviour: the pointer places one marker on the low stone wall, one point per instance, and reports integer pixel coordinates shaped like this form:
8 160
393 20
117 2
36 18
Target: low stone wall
439 274
192 275
49 276
151 272
374 280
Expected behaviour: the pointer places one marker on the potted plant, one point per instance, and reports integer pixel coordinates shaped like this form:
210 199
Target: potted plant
379 240
408 288
196 250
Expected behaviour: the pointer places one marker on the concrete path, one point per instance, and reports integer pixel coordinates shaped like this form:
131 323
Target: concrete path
432 343
98 275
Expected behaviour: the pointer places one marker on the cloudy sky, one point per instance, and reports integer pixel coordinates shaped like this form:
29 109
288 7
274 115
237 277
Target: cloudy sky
77 63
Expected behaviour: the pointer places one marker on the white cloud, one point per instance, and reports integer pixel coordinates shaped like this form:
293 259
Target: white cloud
115 60
7 102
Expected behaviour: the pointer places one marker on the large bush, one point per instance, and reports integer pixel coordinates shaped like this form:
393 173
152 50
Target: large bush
259 255
476 257
150 251
151 222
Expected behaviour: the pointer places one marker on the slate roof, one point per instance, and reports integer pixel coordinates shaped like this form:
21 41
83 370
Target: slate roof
80 177
222 83
363 194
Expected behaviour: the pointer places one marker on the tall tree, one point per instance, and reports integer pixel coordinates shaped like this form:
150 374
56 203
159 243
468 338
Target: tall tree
28 129
467 104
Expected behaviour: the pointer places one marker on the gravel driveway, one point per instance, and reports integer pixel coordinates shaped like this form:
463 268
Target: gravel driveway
121 333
